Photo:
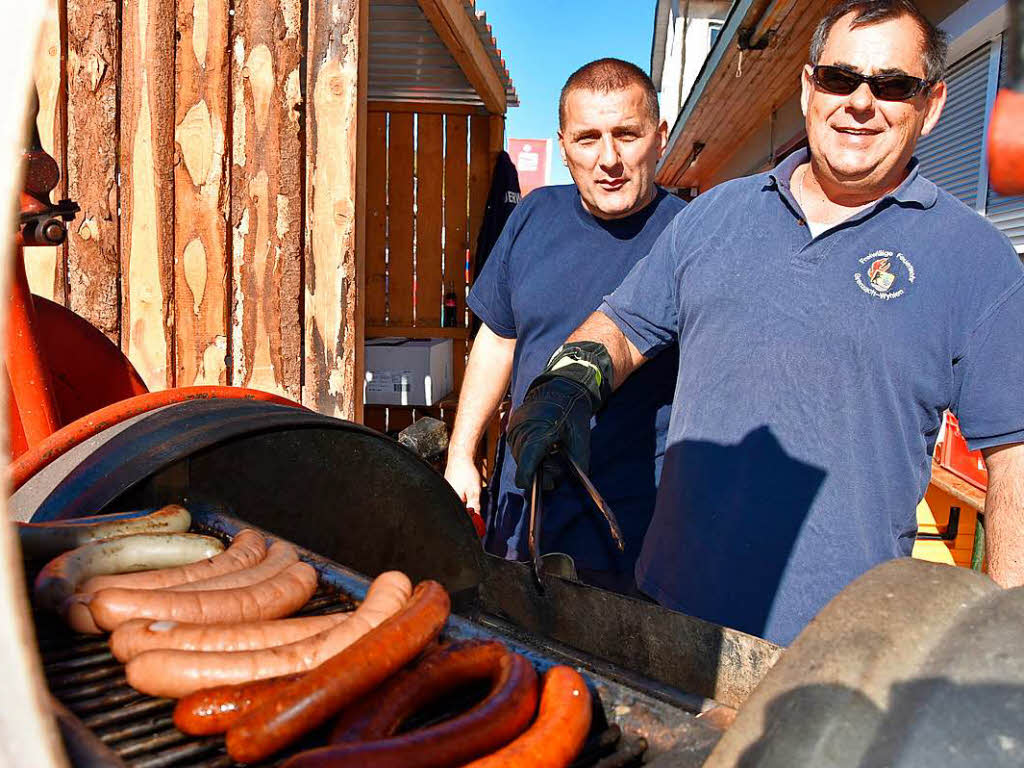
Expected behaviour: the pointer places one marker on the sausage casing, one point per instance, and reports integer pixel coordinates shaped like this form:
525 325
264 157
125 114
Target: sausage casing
557 736
499 718
342 679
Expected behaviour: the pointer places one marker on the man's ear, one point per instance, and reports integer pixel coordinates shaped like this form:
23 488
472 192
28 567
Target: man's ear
561 149
662 138
806 85
936 101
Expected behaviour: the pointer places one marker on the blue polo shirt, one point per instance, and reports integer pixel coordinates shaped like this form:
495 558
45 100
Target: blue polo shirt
547 273
813 374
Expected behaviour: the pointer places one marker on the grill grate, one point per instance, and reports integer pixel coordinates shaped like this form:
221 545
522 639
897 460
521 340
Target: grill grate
85 677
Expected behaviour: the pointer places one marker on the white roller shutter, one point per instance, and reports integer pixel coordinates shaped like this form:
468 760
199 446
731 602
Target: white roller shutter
951 155
1007 213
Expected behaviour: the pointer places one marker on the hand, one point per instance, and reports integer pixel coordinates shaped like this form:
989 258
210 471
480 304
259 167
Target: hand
462 475
554 412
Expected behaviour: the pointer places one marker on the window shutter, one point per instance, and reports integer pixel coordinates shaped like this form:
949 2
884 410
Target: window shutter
951 154
1007 213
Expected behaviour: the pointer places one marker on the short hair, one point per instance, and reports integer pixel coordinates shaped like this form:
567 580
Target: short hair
876 11
604 75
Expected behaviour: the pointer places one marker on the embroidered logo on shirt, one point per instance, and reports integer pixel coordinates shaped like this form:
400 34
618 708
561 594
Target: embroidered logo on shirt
888 275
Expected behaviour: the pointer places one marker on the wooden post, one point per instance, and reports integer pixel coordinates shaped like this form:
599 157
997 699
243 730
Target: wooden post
93 247
267 197
147 202
456 216
200 191
429 211
45 264
332 274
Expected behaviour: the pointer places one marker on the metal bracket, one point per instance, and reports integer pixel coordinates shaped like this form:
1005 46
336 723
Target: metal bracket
952 528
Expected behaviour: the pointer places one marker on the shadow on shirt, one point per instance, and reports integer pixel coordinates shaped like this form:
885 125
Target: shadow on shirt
727 520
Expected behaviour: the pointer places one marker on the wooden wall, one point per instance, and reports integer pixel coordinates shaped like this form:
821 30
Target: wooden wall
212 146
428 176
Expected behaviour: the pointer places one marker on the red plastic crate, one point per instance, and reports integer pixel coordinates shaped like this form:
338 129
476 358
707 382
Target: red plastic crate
952 454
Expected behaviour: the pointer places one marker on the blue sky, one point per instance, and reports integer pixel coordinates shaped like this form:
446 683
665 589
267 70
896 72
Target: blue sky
543 42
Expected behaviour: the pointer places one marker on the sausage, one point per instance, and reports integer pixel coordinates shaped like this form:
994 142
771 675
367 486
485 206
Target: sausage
176 673
499 718
278 596
247 549
214 710
557 736
380 714
46 540
139 635
60 577
280 555
357 670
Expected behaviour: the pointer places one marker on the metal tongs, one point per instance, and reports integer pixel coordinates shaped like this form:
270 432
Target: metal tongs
537 506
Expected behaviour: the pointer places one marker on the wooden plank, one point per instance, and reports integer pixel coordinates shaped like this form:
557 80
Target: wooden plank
400 219
456 191
93 247
200 184
959 489
425 108
267 197
429 208
481 168
44 265
378 331
459 34
358 309
332 275
377 218
147 199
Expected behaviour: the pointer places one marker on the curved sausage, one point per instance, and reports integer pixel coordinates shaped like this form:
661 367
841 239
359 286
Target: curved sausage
42 540
140 635
279 596
280 555
503 715
247 549
136 552
557 736
380 714
214 710
175 673
322 692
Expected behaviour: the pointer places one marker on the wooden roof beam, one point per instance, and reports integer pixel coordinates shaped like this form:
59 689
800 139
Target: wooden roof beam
459 34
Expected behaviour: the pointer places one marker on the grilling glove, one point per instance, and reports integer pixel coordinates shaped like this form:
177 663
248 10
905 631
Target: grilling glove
556 411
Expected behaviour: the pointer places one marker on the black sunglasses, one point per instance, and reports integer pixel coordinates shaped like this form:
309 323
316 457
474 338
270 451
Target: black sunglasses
843 82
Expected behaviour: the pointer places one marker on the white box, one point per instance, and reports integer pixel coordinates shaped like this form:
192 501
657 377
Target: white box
401 371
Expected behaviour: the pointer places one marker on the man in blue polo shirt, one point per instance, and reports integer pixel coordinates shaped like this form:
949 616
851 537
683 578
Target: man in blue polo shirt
826 314
561 251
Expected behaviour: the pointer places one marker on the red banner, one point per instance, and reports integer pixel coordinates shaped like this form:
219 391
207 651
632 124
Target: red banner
532 158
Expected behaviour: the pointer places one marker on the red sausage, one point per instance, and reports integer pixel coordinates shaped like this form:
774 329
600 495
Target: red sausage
214 710
502 716
557 736
342 679
380 714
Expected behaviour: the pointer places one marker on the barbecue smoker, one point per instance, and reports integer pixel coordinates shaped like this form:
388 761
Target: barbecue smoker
915 664
359 503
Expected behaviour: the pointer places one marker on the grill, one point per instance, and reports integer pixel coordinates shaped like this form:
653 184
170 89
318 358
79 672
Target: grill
356 503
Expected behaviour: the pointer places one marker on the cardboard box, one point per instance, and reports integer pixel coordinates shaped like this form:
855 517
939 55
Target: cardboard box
401 371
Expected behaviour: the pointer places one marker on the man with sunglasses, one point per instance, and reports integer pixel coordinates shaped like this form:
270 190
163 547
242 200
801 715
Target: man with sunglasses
826 314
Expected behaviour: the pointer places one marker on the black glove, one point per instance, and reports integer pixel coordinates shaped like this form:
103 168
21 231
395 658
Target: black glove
557 410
